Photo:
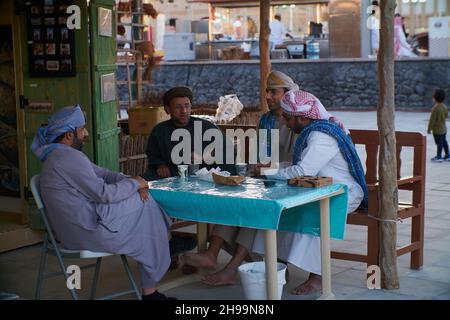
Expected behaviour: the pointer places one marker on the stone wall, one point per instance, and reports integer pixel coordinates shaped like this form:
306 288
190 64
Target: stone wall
338 83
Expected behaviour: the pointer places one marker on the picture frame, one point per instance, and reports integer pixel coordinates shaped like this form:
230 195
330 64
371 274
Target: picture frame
49 21
66 64
38 49
104 21
36 34
49 34
64 34
62 21
49 9
39 65
63 8
108 87
52 65
51 44
50 49
64 49
36 10
36 21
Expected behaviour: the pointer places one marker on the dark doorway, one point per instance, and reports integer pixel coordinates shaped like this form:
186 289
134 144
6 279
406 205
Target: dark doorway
9 155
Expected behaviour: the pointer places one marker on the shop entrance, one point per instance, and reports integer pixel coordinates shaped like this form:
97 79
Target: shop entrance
9 153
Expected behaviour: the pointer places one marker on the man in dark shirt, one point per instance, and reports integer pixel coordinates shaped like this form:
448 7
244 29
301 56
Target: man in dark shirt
178 103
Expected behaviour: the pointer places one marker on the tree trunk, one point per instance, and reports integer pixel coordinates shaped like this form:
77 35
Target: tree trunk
387 169
264 12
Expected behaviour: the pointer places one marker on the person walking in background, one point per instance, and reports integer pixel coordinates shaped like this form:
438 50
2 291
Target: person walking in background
437 126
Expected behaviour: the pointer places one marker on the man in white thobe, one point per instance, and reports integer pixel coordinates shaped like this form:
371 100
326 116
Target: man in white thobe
277 31
323 148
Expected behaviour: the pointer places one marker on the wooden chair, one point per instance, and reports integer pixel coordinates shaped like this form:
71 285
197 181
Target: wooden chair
415 209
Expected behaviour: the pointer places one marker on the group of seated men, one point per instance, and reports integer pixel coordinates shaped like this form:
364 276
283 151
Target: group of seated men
95 209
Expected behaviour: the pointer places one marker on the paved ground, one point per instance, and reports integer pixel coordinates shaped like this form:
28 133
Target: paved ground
18 268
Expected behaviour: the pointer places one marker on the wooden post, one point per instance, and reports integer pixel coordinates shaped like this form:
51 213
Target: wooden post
387 169
129 85
138 56
264 54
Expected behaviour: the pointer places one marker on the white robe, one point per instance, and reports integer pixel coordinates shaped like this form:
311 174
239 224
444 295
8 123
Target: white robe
321 157
404 49
287 140
277 32
93 208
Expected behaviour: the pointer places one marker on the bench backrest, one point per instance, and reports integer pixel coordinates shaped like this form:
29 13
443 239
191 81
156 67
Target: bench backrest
370 139
414 183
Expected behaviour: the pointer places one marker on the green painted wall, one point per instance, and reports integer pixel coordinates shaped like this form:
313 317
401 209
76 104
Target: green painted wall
61 91
103 58
94 56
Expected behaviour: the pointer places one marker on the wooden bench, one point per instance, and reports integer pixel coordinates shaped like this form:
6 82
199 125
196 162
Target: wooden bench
414 209
415 183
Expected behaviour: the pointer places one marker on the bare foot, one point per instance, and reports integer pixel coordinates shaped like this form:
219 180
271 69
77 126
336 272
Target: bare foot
187 269
226 276
201 260
174 263
312 285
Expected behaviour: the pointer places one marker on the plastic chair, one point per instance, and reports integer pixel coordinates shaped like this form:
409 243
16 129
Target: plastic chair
51 246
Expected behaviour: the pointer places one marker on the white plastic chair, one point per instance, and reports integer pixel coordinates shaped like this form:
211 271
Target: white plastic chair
51 246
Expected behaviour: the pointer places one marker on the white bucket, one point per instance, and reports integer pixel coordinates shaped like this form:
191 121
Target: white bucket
253 280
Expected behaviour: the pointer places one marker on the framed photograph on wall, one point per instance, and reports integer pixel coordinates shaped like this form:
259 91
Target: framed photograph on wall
51 45
104 17
108 87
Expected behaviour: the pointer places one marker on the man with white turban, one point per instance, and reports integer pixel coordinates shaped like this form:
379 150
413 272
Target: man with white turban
323 148
95 209
278 84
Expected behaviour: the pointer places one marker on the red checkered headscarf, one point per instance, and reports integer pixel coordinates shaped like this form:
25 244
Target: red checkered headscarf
300 103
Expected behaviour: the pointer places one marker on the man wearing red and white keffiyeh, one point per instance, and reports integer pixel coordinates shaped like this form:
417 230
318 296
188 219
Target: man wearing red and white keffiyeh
304 104
323 148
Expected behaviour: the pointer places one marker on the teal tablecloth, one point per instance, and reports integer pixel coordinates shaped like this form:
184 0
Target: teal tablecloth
251 204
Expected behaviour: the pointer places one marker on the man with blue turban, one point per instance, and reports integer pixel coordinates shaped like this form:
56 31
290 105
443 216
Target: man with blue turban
95 209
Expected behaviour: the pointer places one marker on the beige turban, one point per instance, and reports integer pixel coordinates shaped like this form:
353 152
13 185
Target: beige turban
277 79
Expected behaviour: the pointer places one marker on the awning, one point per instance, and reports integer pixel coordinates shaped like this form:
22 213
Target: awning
247 3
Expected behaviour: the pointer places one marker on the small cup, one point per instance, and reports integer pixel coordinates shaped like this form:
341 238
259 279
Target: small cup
241 169
193 168
182 169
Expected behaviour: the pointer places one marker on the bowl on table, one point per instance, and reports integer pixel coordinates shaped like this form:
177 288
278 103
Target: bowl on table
228 181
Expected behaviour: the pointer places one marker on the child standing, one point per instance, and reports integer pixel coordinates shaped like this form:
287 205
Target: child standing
439 113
